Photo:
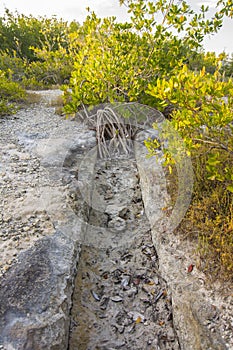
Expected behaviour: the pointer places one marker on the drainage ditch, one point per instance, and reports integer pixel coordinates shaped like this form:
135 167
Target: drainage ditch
120 300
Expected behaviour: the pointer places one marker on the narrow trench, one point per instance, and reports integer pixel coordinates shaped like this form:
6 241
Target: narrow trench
120 301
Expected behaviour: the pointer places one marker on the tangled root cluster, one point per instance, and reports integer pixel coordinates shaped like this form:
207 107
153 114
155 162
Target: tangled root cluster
116 125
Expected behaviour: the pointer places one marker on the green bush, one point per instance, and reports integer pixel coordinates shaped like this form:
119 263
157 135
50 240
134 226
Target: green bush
115 62
10 94
54 68
202 115
35 51
13 66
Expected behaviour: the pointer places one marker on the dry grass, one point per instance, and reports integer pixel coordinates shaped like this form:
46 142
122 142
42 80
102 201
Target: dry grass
34 97
209 222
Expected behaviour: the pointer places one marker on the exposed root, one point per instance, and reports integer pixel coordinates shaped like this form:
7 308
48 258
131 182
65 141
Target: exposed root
116 125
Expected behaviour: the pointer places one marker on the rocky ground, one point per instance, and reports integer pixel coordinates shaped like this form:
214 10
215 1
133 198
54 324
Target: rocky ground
38 198
120 300
20 176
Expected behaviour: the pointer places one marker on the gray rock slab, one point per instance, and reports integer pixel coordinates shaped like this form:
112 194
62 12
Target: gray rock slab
36 294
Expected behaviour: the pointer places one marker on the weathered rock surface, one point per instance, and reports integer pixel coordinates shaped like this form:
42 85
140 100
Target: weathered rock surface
35 171
196 317
36 296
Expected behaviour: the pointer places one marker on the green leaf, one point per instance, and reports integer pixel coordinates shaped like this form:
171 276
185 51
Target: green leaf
230 188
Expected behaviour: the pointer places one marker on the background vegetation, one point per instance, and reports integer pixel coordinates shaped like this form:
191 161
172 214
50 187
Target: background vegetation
156 59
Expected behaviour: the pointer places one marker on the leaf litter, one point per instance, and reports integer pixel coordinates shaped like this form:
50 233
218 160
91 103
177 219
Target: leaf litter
120 299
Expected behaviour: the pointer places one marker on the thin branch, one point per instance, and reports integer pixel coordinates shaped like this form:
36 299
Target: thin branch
215 145
166 13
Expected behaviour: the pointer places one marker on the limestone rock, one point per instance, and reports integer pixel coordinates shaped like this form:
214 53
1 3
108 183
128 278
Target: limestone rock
36 296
